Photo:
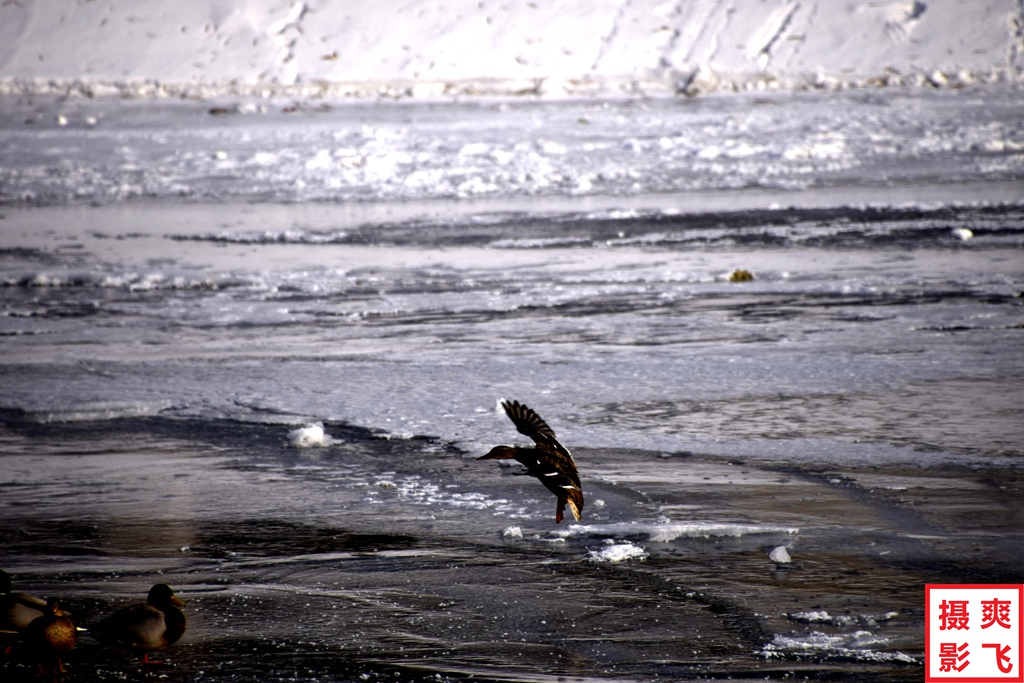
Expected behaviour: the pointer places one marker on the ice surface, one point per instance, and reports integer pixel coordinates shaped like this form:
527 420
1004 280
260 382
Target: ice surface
664 532
863 326
355 553
628 159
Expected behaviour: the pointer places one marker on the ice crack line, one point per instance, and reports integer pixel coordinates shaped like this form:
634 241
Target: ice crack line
292 19
775 28
812 14
701 16
673 42
276 31
1016 51
716 45
606 41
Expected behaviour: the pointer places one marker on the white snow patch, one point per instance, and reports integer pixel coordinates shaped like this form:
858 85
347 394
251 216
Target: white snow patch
663 532
855 646
322 161
310 436
840 620
812 617
616 552
780 555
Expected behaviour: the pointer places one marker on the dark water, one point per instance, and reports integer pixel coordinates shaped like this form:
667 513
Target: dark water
181 292
380 558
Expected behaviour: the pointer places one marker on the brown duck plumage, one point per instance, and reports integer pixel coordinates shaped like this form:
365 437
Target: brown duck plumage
547 460
49 637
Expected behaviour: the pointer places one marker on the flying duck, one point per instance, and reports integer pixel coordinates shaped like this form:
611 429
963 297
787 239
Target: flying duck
148 626
547 460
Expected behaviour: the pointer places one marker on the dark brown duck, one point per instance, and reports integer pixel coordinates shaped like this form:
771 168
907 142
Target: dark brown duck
50 637
548 460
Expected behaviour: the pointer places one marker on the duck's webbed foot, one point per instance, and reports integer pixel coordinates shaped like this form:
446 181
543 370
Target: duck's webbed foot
146 661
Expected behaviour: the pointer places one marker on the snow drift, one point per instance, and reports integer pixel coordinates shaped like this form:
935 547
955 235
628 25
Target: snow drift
428 48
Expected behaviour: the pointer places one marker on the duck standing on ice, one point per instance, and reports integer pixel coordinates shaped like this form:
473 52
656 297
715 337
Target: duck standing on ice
49 637
548 460
148 626
17 610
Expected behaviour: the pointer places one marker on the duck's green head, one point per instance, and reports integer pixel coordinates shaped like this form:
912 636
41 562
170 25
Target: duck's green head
161 595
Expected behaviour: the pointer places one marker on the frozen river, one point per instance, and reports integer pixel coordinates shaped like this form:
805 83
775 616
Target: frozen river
187 283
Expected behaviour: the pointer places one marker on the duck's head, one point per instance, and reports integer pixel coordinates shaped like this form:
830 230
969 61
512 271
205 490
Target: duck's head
499 453
53 607
161 595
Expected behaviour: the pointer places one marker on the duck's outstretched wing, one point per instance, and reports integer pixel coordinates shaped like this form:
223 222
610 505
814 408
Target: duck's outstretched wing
532 425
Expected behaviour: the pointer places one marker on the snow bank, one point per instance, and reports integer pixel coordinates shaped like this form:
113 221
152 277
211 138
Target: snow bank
432 48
